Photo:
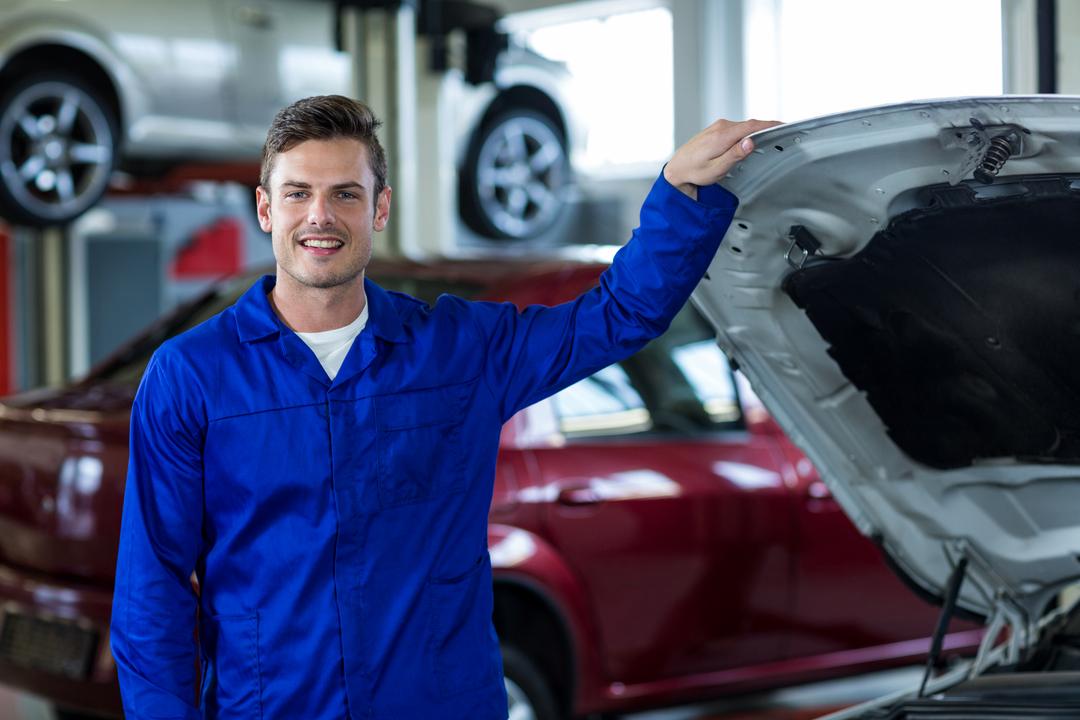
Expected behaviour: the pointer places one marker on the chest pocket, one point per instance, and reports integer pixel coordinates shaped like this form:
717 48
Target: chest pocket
419 435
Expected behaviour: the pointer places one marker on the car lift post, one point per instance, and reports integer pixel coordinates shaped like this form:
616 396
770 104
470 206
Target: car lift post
381 39
38 263
707 35
399 69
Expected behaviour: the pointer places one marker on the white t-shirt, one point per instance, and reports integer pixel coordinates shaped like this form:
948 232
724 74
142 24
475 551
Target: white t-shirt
331 346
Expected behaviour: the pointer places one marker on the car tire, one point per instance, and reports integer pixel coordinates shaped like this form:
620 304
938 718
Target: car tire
58 147
527 690
514 177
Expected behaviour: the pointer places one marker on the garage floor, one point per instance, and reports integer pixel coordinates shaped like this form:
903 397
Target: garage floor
801 703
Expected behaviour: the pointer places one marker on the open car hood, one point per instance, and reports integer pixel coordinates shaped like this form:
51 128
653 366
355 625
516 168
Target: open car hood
917 332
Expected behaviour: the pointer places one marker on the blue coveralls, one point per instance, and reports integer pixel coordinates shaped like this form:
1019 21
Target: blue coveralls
339 528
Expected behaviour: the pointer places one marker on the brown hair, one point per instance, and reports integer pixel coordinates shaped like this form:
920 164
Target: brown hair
324 117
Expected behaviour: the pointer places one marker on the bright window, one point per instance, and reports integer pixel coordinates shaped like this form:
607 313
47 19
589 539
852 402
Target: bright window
621 82
806 58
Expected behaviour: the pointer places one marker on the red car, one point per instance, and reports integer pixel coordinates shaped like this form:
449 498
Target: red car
655 537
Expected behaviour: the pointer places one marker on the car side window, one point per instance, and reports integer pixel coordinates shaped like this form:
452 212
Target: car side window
706 369
680 383
605 403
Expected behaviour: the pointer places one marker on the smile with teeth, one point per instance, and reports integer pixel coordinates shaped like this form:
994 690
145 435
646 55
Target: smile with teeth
312 242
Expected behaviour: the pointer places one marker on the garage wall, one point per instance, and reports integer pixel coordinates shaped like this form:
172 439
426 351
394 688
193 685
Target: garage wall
135 258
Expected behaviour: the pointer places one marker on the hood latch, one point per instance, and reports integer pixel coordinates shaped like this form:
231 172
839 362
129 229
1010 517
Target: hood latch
803 245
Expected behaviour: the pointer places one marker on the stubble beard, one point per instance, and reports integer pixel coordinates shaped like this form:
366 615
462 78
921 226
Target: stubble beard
343 276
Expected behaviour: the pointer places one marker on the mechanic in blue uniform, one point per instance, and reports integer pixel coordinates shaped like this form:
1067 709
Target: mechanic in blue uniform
321 454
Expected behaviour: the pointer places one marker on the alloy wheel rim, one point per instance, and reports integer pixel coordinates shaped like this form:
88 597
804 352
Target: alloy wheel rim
519 706
57 149
521 173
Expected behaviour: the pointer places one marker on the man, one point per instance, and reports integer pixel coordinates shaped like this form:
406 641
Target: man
322 454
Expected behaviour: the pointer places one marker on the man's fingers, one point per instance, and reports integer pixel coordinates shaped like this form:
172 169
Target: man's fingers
710 154
729 136
764 124
719 167
735 149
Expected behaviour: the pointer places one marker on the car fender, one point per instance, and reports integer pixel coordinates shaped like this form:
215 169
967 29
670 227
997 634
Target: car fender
524 559
516 69
522 67
467 108
27 31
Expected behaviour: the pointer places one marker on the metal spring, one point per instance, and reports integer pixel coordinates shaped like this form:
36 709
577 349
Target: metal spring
1000 150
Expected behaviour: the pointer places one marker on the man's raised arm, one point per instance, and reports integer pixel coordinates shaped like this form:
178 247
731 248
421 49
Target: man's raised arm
535 353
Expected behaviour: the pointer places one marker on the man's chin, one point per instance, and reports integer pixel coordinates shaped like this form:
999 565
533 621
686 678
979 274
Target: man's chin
328 282
323 281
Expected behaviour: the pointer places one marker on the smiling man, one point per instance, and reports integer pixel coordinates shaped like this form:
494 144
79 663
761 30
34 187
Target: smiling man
321 199
321 455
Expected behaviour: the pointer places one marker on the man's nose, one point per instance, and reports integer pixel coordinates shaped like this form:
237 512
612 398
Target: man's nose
320 213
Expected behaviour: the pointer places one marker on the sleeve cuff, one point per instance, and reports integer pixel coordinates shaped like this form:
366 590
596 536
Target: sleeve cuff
710 196
717 196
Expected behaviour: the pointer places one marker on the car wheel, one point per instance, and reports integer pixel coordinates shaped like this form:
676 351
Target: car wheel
527 690
61 714
515 174
57 149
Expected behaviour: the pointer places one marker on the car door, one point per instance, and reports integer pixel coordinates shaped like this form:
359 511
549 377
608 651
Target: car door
284 50
675 517
848 596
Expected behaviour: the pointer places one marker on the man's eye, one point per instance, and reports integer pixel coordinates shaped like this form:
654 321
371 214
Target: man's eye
296 195
347 195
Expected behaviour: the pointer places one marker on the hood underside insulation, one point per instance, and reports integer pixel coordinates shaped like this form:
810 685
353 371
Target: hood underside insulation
961 322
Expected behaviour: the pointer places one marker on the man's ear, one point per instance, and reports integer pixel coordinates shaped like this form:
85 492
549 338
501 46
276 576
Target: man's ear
262 208
382 209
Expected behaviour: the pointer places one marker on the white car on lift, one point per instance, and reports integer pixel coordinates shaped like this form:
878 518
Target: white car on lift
88 86
901 287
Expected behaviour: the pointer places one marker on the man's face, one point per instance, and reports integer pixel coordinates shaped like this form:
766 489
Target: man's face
320 212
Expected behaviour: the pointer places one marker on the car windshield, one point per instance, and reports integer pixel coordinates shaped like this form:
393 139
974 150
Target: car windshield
127 367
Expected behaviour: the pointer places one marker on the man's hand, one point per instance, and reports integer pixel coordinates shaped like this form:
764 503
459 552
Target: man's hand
708 156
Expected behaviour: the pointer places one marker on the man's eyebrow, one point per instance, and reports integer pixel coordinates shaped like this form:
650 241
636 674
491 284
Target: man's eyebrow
349 184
